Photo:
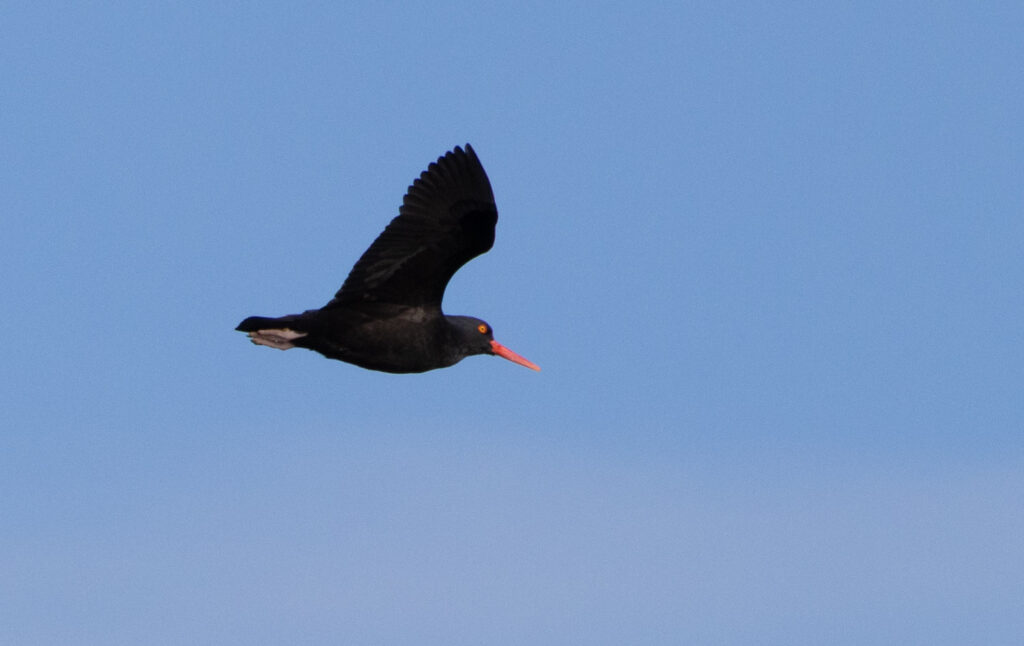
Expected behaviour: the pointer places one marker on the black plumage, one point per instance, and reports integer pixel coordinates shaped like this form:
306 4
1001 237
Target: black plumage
387 315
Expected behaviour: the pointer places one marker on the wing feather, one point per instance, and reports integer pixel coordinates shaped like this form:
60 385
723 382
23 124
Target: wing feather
446 219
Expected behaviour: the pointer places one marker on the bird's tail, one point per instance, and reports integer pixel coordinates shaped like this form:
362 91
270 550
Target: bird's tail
277 333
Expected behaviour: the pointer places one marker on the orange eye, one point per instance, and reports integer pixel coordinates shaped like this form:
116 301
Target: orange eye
482 328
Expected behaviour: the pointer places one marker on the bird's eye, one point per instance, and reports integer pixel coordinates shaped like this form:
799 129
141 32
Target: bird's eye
482 328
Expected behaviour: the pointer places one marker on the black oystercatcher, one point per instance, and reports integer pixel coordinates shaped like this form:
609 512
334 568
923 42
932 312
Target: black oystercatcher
387 316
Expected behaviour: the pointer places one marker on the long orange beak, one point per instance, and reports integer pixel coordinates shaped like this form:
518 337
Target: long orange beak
502 351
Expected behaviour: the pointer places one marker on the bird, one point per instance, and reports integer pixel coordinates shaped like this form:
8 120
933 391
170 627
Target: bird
387 314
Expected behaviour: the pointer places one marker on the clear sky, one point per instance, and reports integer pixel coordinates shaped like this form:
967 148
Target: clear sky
770 257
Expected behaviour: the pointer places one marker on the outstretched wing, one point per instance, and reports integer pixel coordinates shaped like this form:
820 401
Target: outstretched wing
447 218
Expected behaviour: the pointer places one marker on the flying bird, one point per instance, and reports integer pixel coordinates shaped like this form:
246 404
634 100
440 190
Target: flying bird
387 315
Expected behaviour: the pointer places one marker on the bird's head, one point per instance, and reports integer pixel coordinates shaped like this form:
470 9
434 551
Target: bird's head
477 337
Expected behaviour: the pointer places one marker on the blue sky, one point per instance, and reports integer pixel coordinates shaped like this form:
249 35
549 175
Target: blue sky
769 257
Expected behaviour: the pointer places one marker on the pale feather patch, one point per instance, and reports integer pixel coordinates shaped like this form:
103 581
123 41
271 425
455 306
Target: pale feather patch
280 339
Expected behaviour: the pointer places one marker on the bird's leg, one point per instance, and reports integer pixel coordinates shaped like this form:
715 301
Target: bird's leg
280 339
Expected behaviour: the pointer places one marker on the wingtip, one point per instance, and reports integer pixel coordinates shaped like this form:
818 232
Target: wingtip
466 149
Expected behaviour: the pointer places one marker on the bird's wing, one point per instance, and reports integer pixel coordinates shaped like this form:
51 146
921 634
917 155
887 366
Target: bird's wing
447 218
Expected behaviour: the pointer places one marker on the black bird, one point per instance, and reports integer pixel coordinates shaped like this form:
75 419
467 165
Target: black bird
387 315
